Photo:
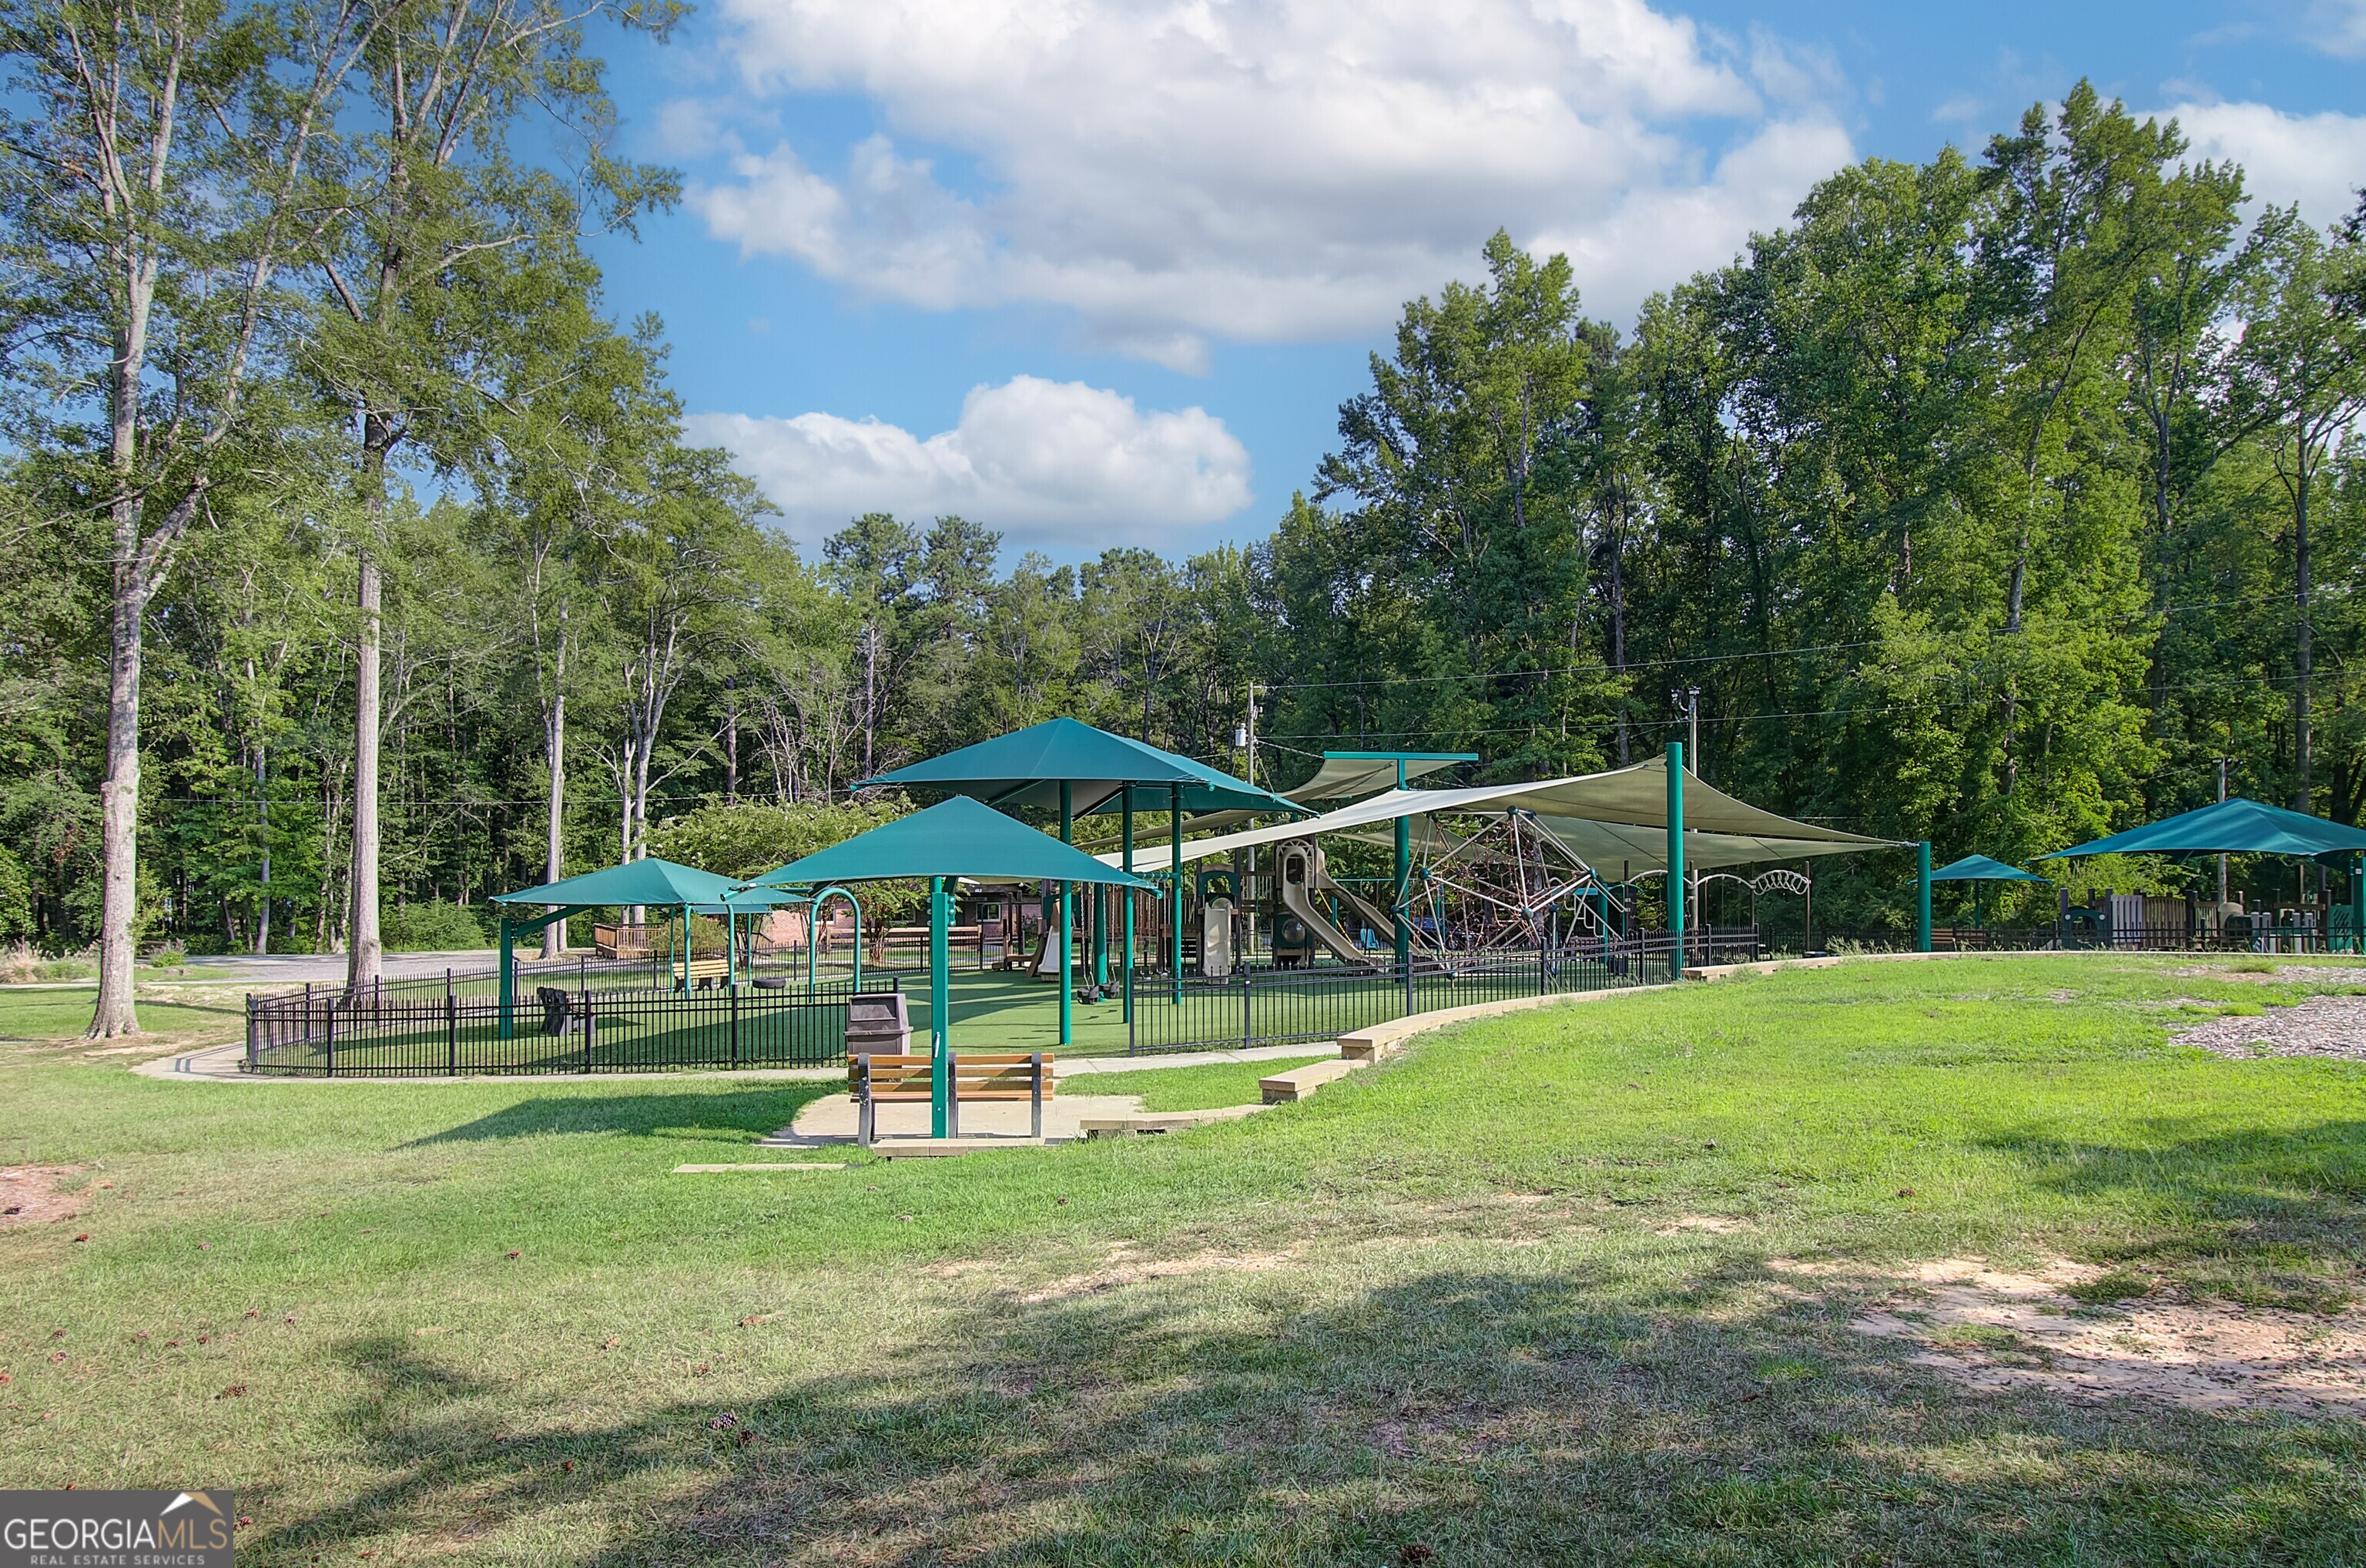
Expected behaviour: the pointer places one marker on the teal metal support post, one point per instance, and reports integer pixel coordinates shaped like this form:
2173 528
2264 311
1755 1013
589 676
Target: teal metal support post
1175 887
1677 860
509 977
1923 896
1067 922
940 1038
2358 902
1401 901
1125 863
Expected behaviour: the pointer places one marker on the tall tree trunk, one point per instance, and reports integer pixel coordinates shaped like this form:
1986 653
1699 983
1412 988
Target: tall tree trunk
263 811
364 954
731 744
554 752
1618 640
119 794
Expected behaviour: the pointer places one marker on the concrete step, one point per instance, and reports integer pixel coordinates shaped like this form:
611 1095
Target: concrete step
1300 1083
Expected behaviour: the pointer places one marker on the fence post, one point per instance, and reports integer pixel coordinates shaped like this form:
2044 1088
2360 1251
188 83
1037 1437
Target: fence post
586 1031
333 1037
1248 1026
735 1026
451 1030
250 1032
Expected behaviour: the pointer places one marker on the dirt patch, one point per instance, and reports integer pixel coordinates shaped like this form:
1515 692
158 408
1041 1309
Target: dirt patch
2321 975
1997 1330
2316 1026
1123 1269
28 1194
1715 1225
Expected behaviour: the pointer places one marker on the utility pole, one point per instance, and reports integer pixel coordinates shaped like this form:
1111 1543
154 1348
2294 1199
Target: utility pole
1686 700
2222 859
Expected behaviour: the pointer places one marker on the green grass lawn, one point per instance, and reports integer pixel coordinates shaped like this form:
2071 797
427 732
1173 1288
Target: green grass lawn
191 1013
1459 1303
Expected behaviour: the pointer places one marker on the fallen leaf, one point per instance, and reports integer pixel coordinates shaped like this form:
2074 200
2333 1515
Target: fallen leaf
746 1437
84 1236
57 1333
700 1370
255 1312
56 1356
143 1334
568 1466
1414 1552
235 1391
204 1247
172 1344
509 1254
612 1341
289 1318
13 1209
244 1520
1905 1193
903 1216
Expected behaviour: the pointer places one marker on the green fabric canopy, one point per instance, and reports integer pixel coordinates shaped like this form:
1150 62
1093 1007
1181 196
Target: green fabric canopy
1027 767
954 838
1979 868
2235 827
649 881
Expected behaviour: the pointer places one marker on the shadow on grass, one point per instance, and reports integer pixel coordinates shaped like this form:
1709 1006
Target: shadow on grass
1455 1416
753 1110
2304 1175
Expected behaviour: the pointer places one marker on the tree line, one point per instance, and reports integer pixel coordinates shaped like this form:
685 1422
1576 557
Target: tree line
358 566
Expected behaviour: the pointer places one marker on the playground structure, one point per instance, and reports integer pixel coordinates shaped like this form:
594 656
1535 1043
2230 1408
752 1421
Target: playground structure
1297 929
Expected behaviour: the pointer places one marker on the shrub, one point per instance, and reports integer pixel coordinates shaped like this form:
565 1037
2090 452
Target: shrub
437 925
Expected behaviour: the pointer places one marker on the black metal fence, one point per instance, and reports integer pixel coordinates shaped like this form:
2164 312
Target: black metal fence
1272 1006
415 1029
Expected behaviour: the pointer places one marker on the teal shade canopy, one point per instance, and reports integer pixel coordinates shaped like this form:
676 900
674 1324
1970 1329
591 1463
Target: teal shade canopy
1027 767
1979 868
954 838
651 881
2235 827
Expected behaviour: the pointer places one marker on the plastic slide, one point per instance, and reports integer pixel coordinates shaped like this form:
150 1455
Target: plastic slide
1304 876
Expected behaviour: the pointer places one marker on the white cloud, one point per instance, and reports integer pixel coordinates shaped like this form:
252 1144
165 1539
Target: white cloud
2319 161
2337 27
1176 170
1046 461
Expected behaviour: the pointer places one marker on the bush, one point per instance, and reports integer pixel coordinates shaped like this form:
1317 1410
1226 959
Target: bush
434 926
22 963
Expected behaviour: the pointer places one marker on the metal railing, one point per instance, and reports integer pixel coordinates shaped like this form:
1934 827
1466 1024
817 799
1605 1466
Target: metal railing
403 1031
1273 1006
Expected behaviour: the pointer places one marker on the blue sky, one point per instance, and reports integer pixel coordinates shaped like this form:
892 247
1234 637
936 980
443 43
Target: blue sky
1100 272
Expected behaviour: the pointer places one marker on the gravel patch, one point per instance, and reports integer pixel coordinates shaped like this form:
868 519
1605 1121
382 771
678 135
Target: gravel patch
2317 1026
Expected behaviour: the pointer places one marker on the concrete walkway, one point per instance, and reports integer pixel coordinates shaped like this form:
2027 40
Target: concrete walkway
829 1122
278 971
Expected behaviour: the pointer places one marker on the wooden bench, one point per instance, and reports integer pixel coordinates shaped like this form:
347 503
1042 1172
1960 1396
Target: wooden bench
702 972
907 1077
